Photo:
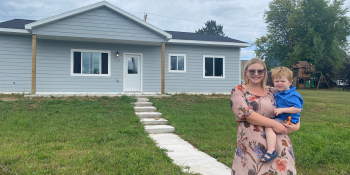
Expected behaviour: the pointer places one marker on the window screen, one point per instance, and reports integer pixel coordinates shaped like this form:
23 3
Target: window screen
104 63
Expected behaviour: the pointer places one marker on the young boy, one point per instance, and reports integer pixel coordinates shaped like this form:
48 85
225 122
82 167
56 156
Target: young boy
289 105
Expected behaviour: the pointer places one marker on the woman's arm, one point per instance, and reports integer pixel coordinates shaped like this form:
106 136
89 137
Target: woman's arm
257 119
292 127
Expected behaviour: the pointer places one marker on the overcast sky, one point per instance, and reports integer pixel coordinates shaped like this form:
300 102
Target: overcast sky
242 19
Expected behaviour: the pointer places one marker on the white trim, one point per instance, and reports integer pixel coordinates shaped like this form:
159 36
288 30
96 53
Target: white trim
200 93
223 66
196 42
90 75
78 93
177 71
124 70
108 94
8 30
16 92
93 6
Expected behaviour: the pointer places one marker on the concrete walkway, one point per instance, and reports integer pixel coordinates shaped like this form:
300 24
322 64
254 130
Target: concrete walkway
184 154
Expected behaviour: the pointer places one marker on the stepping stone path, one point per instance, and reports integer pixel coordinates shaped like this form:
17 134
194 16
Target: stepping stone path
182 152
153 121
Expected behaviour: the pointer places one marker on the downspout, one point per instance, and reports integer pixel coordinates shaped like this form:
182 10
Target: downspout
33 64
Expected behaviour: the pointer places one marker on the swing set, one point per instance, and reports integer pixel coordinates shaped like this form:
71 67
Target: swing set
306 77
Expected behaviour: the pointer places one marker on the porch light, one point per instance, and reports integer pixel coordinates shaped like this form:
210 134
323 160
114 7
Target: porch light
117 54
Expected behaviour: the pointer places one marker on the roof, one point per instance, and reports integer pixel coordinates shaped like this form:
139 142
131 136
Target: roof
201 37
300 64
15 23
303 63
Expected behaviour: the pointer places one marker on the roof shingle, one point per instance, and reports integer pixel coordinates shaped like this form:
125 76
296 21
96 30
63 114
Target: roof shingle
15 23
201 37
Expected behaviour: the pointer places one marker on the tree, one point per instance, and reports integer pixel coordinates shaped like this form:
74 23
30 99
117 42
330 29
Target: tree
211 28
305 30
345 75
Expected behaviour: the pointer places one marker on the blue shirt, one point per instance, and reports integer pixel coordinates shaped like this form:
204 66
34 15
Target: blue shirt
286 99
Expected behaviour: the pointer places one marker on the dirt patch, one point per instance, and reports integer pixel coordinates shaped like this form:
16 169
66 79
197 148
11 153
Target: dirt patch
8 99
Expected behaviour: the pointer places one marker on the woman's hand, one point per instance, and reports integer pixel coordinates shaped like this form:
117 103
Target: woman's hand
279 128
292 127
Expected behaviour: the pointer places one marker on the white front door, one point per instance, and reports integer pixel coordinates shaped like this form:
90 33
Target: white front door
132 72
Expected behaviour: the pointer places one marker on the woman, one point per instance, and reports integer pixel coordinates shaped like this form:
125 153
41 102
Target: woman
253 104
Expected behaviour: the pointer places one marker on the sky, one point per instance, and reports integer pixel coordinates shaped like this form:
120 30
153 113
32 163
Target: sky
241 19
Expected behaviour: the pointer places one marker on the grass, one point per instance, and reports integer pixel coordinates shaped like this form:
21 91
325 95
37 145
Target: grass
321 146
76 136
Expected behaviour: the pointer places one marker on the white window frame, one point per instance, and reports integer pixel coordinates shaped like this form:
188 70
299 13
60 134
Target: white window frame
85 50
178 71
223 66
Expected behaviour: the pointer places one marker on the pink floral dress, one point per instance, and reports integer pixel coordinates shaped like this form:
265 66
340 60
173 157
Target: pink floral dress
251 139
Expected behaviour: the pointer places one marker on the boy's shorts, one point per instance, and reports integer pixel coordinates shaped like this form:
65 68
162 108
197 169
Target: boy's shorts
278 120
286 121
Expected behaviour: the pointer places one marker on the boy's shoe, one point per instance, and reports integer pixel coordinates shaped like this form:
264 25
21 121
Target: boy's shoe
272 156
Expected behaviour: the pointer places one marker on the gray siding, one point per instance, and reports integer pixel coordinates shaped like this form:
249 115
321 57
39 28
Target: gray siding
101 23
15 63
54 67
192 80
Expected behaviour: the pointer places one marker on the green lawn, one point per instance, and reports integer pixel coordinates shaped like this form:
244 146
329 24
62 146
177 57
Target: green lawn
76 136
321 146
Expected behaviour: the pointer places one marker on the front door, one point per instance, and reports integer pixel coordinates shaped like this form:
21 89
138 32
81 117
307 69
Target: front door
132 72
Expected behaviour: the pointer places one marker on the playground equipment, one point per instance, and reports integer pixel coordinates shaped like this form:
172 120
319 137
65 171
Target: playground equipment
306 77
322 80
302 75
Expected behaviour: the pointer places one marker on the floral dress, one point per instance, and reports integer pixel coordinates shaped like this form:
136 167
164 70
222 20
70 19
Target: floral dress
251 139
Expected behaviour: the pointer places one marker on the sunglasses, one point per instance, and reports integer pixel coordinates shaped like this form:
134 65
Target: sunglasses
260 71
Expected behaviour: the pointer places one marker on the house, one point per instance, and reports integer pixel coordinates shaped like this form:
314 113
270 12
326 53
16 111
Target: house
101 48
243 63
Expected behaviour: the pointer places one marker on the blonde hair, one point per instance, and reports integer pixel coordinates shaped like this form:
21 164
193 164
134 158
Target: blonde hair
279 72
253 61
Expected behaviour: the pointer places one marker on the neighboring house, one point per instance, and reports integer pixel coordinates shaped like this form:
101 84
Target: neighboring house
243 63
75 52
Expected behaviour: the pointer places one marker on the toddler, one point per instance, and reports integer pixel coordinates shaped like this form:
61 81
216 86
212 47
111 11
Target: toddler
289 105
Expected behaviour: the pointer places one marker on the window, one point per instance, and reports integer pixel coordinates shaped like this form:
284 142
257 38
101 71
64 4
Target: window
90 63
213 66
132 65
177 63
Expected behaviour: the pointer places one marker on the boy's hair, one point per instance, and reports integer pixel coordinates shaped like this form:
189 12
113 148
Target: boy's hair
280 72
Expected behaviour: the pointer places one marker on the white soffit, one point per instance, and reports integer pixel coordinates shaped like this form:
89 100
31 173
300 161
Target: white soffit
93 6
210 43
14 31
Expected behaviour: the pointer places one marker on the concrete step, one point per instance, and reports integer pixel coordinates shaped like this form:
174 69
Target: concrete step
142 104
155 129
154 121
149 114
145 109
142 100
